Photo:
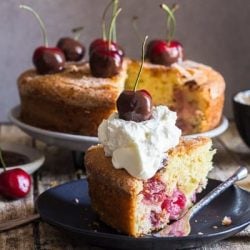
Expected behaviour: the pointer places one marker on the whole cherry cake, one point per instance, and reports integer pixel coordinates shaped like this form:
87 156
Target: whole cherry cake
143 174
66 95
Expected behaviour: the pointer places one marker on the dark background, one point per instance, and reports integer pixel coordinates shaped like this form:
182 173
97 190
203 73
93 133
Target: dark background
214 32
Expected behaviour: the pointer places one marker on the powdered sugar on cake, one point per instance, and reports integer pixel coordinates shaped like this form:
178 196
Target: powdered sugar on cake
139 147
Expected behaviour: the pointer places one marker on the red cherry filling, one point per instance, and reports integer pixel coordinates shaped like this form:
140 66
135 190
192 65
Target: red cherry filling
154 191
164 53
134 105
15 183
154 194
72 49
105 62
174 204
48 60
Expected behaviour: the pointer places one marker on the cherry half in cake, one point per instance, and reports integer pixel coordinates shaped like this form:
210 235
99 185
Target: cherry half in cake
47 60
169 51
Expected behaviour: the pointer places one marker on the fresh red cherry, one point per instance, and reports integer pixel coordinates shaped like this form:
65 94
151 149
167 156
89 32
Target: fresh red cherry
105 62
169 51
15 183
48 60
104 43
165 53
72 49
134 105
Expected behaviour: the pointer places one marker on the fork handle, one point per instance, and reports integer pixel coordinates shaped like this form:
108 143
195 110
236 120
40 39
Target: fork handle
240 174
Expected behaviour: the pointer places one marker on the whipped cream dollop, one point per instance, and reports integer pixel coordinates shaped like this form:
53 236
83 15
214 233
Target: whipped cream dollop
243 97
140 147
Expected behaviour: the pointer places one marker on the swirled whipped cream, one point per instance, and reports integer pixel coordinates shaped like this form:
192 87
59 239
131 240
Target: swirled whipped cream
140 147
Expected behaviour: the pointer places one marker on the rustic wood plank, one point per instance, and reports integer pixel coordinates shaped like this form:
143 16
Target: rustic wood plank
52 238
231 243
21 238
57 169
13 209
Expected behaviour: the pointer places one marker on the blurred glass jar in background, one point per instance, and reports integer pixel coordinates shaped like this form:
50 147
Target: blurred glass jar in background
241 109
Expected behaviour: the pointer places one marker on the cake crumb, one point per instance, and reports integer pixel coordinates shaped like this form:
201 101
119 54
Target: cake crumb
53 183
226 221
215 227
200 233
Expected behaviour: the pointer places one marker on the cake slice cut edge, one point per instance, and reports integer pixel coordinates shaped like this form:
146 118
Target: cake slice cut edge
137 207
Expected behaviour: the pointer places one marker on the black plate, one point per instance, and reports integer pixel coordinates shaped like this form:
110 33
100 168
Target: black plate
68 207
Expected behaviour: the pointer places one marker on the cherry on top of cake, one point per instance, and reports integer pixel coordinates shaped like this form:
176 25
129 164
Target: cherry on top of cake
72 48
105 55
47 60
166 52
135 105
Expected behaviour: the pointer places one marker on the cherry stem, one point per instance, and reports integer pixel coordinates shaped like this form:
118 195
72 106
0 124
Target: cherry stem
77 32
2 161
134 24
112 24
104 32
171 23
142 62
42 26
115 7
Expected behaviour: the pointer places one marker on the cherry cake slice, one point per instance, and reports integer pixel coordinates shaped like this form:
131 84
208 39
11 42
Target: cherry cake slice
138 207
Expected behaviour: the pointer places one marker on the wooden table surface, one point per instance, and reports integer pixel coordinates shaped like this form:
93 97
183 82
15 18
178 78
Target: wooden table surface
59 168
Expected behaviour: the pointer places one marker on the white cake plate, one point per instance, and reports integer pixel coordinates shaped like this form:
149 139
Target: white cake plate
80 142
36 158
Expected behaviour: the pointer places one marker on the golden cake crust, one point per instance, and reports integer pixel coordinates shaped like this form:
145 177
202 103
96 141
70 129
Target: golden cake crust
70 101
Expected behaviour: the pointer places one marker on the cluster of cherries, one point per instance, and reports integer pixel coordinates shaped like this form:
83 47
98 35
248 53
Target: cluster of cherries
154 192
49 60
105 55
14 183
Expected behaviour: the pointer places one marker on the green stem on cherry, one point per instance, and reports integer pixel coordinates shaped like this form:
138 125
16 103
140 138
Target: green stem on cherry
77 32
2 161
115 8
104 32
171 23
142 62
134 24
112 24
42 26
